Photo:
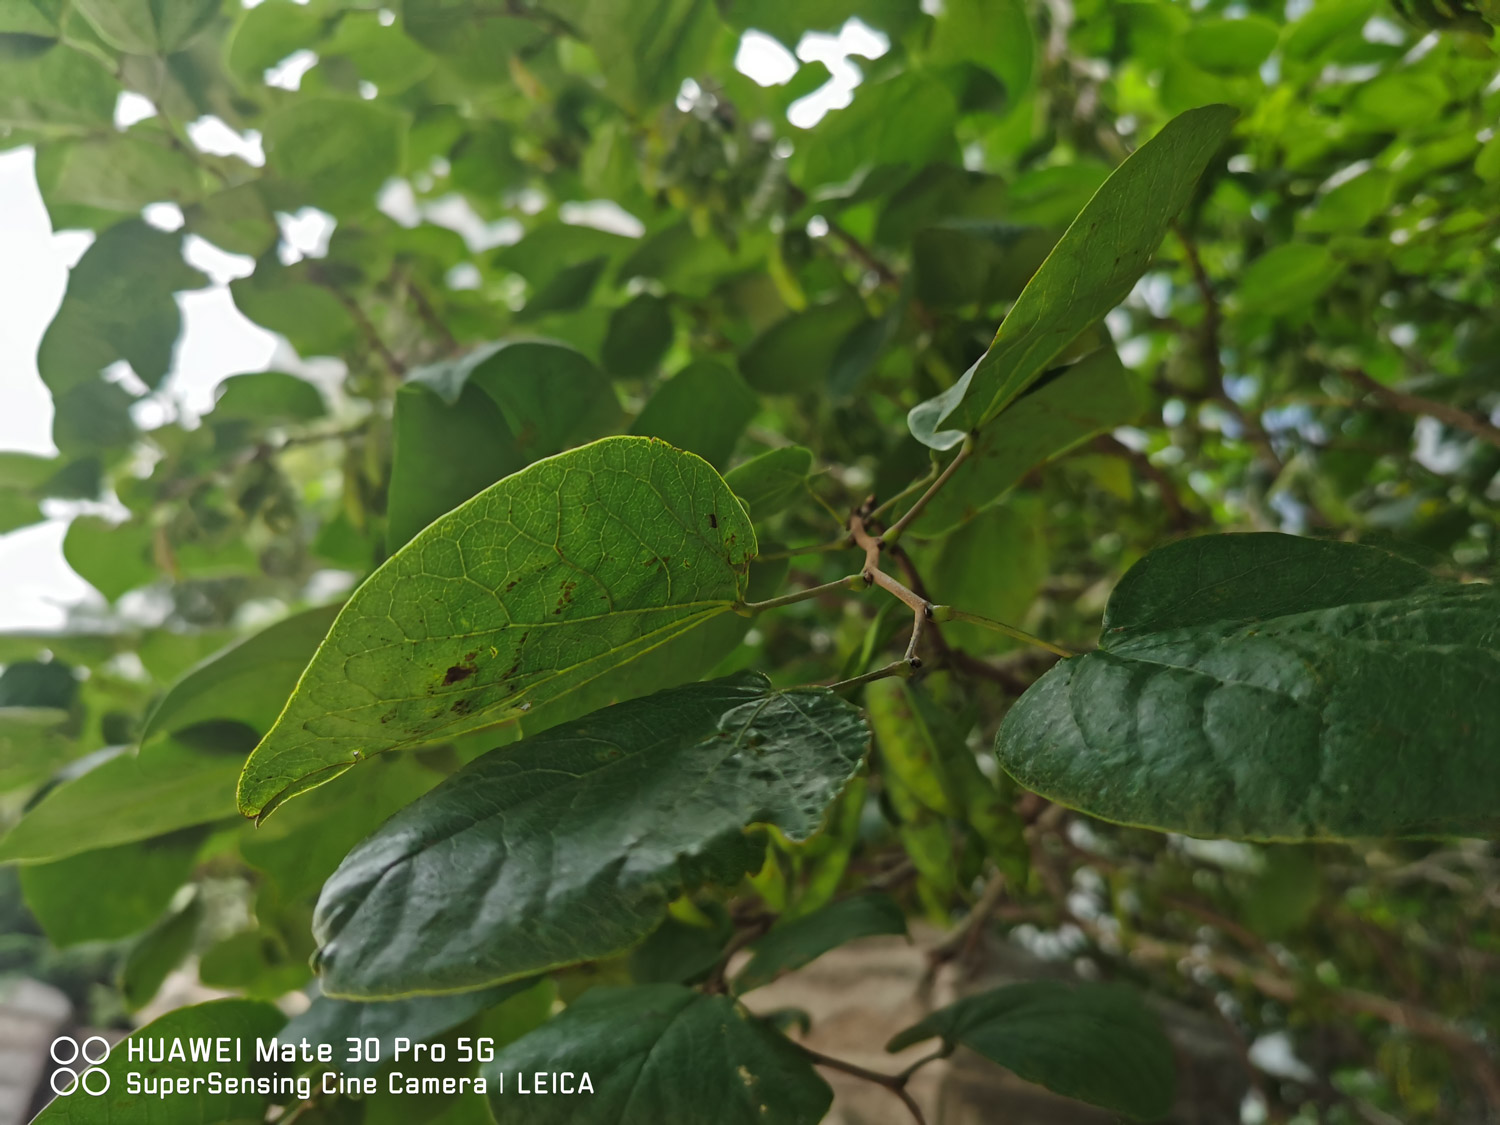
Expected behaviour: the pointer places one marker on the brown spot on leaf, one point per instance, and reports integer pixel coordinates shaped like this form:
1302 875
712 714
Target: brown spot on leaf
462 706
458 672
713 519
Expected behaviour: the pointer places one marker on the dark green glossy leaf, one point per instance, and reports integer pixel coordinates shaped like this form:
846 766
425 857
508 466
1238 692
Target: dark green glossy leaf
111 893
1095 1042
1274 688
237 1020
636 804
773 480
703 408
799 941
539 590
658 1053
1089 272
248 682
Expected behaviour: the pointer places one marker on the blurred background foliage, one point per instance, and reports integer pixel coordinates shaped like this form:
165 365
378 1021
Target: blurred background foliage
1316 350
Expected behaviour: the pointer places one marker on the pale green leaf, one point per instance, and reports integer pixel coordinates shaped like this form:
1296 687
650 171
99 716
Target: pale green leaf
543 585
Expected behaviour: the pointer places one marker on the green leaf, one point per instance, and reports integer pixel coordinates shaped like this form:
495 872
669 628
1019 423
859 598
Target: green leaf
1090 271
993 565
1274 688
244 1021
236 219
1093 396
906 121
33 743
338 151
268 33
645 50
1230 46
147 27
773 480
1095 1042
471 35
130 796
636 804
797 353
282 299
248 682
640 332
792 944
158 951
1287 279
30 17
110 893
56 89
703 408
417 1019
121 173
464 424
113 558
995 34
268 398
661 1052
303 845
118 305
542 589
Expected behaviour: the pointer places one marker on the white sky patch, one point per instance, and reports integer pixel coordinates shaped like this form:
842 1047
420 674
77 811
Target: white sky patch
163 216
764 60
602 214
304 234
399 202
287 74
209 134
221 266
217 341
131 108
834 51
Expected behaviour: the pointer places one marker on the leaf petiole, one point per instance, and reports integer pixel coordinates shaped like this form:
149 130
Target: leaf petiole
951 613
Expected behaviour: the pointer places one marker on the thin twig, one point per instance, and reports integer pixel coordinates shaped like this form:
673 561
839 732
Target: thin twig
430 316
891 534
1406 403
895 1083
366 326
950 613
851 582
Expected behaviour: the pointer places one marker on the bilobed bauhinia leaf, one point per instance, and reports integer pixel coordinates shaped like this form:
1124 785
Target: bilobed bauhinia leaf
659 1053
1268 687
542 589
568 846
1090 271
1095 1042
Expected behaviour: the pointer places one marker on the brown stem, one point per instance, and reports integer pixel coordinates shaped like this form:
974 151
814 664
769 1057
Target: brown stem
1448 414
1177 512
366 326
430 317
895 1083
1213 364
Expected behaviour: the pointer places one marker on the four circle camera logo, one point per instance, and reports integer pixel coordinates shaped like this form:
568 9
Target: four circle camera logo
78 1064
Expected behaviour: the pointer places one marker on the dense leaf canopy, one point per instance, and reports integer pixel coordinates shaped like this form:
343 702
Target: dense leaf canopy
742 477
